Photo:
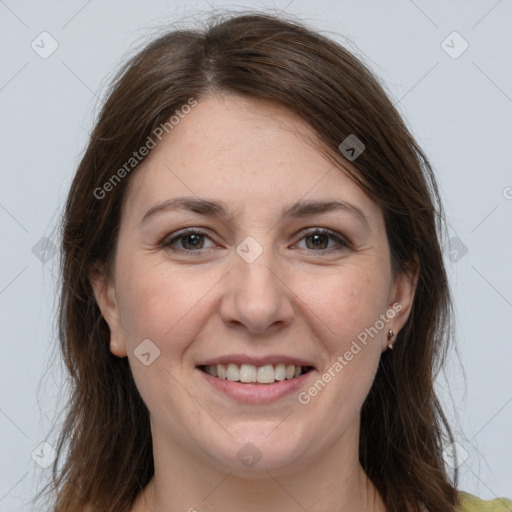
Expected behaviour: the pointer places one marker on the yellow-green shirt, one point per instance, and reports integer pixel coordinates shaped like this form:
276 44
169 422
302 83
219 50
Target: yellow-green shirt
470 503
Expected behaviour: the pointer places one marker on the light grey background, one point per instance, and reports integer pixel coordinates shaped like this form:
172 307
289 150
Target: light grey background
460 109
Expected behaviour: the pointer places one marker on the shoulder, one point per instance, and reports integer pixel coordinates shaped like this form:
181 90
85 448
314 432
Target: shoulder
470 503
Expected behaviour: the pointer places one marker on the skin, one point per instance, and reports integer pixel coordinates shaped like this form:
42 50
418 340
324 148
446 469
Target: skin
296 299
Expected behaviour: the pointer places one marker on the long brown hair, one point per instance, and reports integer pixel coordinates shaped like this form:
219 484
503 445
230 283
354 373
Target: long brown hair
105 450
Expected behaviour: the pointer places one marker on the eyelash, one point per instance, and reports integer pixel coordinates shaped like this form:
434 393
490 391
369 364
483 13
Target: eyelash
340 241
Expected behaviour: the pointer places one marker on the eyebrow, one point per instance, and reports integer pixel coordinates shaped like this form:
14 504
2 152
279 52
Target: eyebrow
302 208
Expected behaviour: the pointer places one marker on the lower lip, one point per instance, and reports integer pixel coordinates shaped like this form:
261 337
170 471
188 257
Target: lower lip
256 393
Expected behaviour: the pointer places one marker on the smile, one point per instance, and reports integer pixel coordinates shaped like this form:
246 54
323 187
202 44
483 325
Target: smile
249 373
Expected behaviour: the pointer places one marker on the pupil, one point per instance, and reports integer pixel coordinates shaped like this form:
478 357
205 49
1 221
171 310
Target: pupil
193 241
318 241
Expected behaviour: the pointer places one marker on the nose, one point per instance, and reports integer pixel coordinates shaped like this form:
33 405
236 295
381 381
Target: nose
256 298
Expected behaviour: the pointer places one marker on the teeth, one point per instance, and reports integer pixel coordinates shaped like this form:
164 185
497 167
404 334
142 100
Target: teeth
248 373
233 372
280 372
266 374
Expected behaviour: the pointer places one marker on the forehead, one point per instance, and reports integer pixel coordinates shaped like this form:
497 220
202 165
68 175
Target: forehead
245 152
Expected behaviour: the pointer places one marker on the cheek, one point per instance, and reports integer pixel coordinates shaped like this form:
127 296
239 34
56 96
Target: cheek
344 313
168 307
163 304
345 304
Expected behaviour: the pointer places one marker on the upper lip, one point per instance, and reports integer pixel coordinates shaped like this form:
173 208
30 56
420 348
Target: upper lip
256 360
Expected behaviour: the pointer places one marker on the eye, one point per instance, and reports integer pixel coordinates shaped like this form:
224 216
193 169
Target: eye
316 239
188 240
321 239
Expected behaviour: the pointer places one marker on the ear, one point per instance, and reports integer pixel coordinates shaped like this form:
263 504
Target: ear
104 292
401 298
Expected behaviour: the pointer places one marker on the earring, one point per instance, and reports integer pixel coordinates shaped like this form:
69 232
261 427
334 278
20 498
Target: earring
390 337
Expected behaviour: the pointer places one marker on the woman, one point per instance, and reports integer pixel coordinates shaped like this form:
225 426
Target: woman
254 302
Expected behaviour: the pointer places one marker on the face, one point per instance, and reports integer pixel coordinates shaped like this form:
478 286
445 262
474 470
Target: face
242 245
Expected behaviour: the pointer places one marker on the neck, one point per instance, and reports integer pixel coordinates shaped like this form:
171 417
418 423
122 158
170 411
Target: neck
333 482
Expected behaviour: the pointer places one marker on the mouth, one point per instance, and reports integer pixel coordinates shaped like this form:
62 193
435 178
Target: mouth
251 374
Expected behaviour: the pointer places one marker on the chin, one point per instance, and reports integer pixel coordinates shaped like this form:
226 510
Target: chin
252 456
